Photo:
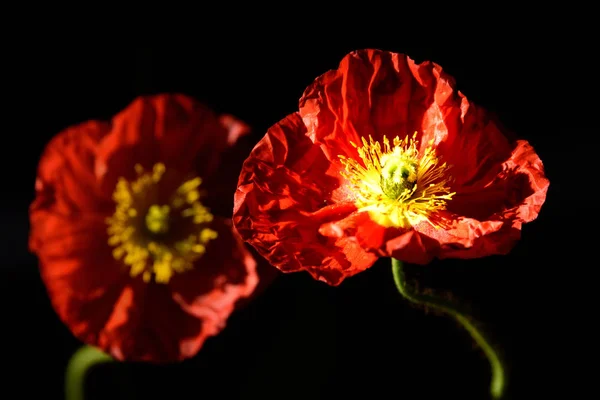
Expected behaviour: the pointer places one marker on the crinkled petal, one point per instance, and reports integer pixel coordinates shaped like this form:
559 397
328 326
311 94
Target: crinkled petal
288 189
486 220
376 93
66 179
167 323
515 191
90 290
83 280
150 326
499 209
170 128
222 276
499 182
466 238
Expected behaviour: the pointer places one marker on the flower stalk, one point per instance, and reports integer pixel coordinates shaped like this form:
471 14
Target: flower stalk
498 379
79 365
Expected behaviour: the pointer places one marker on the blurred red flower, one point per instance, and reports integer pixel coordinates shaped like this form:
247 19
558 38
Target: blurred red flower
385 158
135 242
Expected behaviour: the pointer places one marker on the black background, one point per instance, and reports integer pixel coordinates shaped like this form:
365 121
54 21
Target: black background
300 339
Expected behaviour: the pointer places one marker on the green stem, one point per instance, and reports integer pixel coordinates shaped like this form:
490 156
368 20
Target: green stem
498 379
80 363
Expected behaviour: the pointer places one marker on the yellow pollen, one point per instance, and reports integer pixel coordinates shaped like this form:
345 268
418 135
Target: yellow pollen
398 186
142 235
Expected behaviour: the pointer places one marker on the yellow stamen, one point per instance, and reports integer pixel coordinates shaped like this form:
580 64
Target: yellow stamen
398 186
142 236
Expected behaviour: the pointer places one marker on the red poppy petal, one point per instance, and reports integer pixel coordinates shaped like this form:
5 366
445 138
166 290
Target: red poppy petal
515 189
514 198
173 129
82 278
354 235
66 174
226 273
267 274
503 205
92 292
403 244
499 183
220 186
526 201
378 93
235 127
409 247
149 326
468 238
472 143
165 323
287 190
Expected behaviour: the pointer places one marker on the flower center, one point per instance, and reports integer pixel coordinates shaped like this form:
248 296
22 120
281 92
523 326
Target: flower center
157 219
155 239
398 173
398 186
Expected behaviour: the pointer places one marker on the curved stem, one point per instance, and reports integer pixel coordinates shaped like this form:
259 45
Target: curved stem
498 379
79 364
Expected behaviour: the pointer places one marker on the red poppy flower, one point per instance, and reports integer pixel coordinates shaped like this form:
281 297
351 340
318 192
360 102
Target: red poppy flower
135 247
385 158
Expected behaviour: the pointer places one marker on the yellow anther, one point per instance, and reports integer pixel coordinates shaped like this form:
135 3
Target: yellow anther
398 185
141 234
